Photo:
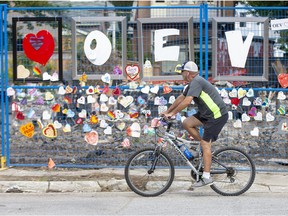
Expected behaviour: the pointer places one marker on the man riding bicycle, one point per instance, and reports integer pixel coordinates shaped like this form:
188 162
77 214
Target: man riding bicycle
212 114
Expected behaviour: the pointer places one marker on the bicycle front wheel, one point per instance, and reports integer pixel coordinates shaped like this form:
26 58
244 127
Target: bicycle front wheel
233 171
149 173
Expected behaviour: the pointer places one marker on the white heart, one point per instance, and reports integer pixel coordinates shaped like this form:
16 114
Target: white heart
81 100
281 96
57 124
106 78
162 109
258 116
171 99
103 98
108 130
22 72
104 107
67 128
245 117
269 117
145 90
10 91
135 129
61 90
83 113
90 90
223 93
154 89
230 115
250 93
227 100
233 93
46 76
255 132
125 101
103 124
133 85
91 99
246 102
54 77
237 124
46 115
112 101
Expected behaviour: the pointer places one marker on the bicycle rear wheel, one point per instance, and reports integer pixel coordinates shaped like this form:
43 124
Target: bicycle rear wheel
145 179
233 171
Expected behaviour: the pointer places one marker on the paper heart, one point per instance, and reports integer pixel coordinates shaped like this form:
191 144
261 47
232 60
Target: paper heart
258 116
283 126
103 124
116 91
94 119
106 89
252 112
56 108
281 110
257 101
223 93
134 115
108 130
20 116
162 109
245 117
120 126
104 107
283 80
86 128
237 124
125 143
91 99
46 115
46 76
160 101
92 137
125 101
67 128
145 90
230 115
39 47
70 113
235 101
103 98
27 130
90 90
22 72
246 102
111 114
61 90
83 113
49 131
255 132
10 91
49 96
250 93
141 100
112 101
227 100
171 99
106 78
118 114
133 85
241 92
57 124
155 123
67 99
134 130
81 100
31 113
117 70
68 89
233 93
269 117
281 95
167 89
132 71
154 89
54 77
79 121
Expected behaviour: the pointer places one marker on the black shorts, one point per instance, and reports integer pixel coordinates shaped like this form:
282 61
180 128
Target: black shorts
212 127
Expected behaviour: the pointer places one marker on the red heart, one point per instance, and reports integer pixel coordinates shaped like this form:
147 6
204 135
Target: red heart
79 121
20 116
235 101
39 47
56 108
116 91
283 80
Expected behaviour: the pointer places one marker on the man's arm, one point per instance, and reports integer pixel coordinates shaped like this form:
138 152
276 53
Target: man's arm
178 100
182 105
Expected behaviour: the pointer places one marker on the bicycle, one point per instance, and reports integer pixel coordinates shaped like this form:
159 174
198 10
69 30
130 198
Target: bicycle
150 172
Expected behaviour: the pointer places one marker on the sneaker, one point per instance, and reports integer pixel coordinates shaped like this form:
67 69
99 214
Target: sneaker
203 182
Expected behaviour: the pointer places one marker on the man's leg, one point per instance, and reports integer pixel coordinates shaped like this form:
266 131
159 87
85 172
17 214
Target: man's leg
207 155
190 124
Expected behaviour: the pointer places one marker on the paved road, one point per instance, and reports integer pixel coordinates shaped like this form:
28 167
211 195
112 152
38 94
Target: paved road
128 203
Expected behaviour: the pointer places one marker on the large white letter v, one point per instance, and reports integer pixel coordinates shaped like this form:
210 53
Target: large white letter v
238 51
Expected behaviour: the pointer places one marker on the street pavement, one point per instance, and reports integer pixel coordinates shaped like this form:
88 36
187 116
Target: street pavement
44 180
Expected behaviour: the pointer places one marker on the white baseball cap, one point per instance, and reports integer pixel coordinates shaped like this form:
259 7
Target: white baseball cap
189 66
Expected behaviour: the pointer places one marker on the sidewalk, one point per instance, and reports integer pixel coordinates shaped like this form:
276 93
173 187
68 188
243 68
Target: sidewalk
42 180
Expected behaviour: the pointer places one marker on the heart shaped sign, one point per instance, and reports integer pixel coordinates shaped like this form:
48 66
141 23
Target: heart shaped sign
39 47
22 72
91 137
283 80
27 129
49 131
132 71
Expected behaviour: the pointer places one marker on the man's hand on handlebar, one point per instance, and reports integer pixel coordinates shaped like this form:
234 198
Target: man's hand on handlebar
167 115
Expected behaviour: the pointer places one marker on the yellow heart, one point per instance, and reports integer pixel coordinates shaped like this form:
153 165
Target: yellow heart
27 129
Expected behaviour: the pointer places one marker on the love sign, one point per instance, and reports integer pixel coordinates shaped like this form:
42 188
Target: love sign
132 71
27 130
